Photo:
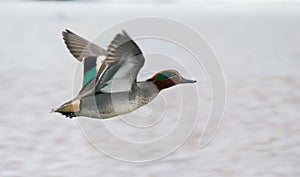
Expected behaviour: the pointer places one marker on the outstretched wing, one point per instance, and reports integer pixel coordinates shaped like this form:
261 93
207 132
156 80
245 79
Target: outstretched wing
121 66
80 47
86 52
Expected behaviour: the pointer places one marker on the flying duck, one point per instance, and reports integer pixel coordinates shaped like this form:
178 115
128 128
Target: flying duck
111 88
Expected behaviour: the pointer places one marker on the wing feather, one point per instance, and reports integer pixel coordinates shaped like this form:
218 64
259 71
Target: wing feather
121 66
80 47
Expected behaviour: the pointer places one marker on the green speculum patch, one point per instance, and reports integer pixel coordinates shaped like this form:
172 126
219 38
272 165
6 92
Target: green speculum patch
89 75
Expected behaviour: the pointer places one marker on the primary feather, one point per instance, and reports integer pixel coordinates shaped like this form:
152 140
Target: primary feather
80 47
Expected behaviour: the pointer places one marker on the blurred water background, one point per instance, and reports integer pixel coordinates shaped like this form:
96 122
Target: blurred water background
257 45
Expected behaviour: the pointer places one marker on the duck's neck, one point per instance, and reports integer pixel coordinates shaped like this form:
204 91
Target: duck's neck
146 87
145 91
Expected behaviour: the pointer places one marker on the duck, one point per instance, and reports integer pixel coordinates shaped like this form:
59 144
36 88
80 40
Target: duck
110 87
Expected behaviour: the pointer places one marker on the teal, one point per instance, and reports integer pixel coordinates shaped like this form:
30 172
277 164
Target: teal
115 89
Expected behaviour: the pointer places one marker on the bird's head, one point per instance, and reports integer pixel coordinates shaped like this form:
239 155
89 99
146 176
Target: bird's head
168 78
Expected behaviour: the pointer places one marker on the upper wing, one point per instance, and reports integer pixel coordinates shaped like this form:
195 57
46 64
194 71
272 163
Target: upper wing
121 66
80 47
86 51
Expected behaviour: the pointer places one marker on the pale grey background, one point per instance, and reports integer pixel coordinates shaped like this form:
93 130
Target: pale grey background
257 44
